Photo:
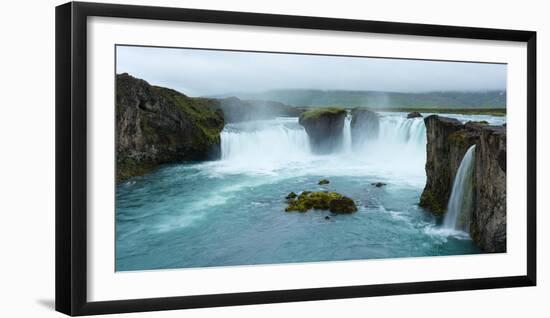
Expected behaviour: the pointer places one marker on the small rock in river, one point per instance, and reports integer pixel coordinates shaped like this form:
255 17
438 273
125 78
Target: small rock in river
414 115
378 184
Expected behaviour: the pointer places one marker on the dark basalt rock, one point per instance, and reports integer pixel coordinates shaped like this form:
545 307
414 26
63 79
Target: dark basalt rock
488 224
414 115
378 184
156 125
323 181
324 128
501 158
365 125
447 144
448 141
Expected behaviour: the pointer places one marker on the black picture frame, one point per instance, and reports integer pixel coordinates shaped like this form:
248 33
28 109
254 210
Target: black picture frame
71 157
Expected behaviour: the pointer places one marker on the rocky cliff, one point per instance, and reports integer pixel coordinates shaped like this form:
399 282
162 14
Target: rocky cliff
448 140
156 125
365 125
447 144
324 127
488 227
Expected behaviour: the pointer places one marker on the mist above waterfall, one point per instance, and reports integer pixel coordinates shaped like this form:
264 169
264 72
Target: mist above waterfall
237 110
265 144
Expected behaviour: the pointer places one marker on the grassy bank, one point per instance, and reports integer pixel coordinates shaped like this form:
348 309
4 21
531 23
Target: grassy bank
464 111
313 113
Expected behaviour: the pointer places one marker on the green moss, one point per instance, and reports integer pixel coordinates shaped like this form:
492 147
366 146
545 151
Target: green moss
320 112
429 201
343 205
172 126
321 200
464 111
146 128
129 167
291 196
480 122
200 111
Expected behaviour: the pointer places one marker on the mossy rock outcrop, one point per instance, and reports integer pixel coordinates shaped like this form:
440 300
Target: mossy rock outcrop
325 128
156 125
321 200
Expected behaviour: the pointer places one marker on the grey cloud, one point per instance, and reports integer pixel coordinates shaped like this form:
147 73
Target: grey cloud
208 72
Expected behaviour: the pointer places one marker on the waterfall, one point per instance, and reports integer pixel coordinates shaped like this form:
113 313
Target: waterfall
405 132
270 145
347 134
459 209
281 140
398 140
389 131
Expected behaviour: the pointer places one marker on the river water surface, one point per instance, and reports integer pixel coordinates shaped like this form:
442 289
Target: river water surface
231 211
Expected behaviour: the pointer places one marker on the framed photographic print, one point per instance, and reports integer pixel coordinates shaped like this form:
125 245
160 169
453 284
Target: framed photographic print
209 158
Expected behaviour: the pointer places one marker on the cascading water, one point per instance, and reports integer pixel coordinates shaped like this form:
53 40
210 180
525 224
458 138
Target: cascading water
279 140
459 209
347 134
397 149
402 131
400 143
284 140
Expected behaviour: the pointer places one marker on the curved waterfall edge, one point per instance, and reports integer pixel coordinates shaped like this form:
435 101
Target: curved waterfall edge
284 138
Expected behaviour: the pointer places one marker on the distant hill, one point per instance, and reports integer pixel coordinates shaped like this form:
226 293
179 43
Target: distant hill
236 110
374 99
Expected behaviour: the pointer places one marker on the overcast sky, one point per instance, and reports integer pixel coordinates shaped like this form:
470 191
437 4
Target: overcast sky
206 72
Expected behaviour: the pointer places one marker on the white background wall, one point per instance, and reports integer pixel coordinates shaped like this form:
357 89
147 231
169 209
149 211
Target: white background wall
27 158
